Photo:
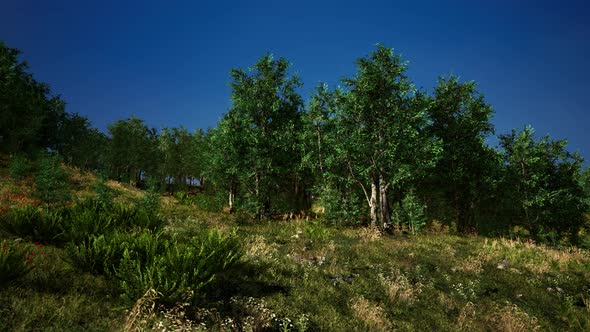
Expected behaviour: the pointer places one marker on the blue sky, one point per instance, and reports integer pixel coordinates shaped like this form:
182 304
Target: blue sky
168 62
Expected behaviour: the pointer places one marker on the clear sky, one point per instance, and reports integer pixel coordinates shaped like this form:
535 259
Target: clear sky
168 62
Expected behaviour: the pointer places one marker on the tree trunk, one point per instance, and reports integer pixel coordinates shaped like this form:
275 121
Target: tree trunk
384 202
231 198
373 202
257 191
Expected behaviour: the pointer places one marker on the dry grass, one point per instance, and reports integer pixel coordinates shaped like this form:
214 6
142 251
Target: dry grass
536 258
399 288
467 318
513 319
473 263
142 313
258 248
369 234
371 314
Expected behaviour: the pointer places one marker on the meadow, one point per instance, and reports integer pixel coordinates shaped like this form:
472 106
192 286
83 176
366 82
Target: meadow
284 275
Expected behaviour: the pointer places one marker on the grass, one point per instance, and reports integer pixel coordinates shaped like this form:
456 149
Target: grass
304 276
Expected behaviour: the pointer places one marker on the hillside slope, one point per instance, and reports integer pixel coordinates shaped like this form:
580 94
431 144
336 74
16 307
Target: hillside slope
304 275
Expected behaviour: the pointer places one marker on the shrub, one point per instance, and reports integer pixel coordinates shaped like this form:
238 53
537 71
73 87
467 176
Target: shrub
51 181
85 219
181 271
94 217
411 213
16 260
104 194
182 197
98 254
209 201
316 231
32 223
19 167
147 260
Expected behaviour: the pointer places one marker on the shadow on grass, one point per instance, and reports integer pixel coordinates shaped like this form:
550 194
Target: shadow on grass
246 280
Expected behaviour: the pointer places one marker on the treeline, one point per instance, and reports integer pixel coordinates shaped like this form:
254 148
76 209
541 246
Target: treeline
375 150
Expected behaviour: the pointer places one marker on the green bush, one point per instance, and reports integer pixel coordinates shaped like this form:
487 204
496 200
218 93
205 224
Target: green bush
94 217
146 260
104 194
102 254
410 213
340 209
19 167
99 254
179 272
85 219
316 231
182 197
16 260
51 181
32 223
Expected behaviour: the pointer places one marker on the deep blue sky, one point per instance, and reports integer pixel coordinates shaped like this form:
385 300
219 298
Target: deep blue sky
168 62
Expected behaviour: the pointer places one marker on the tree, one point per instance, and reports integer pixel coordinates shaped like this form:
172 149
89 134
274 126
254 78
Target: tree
132 150
78 143
181 156
461 120
544 192
28 114
265 117
382 130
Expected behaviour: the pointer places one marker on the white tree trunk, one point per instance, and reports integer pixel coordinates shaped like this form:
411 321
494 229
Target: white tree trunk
373 202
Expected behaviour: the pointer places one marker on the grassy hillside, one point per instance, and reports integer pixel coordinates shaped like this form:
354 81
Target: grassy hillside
302 275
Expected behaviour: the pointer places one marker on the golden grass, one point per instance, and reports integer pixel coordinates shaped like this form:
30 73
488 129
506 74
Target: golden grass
371 314
398 288
369 234
513 319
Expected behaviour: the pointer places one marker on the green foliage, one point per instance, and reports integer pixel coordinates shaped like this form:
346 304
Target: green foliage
52 184
104 194
316 231
212 202
182 196
183 156
78 143
180 271
132 151
464 176
89 217
542 188
29 115
102 254
256 154
93 217
410 213
32 223
20 167
16 260
77 223
382 142
147 260
343 207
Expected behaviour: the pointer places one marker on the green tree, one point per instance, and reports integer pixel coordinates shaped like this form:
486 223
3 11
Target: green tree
460 118
133 150
266 118
543 188
28 113
79 143
182 154
381 126
52 184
